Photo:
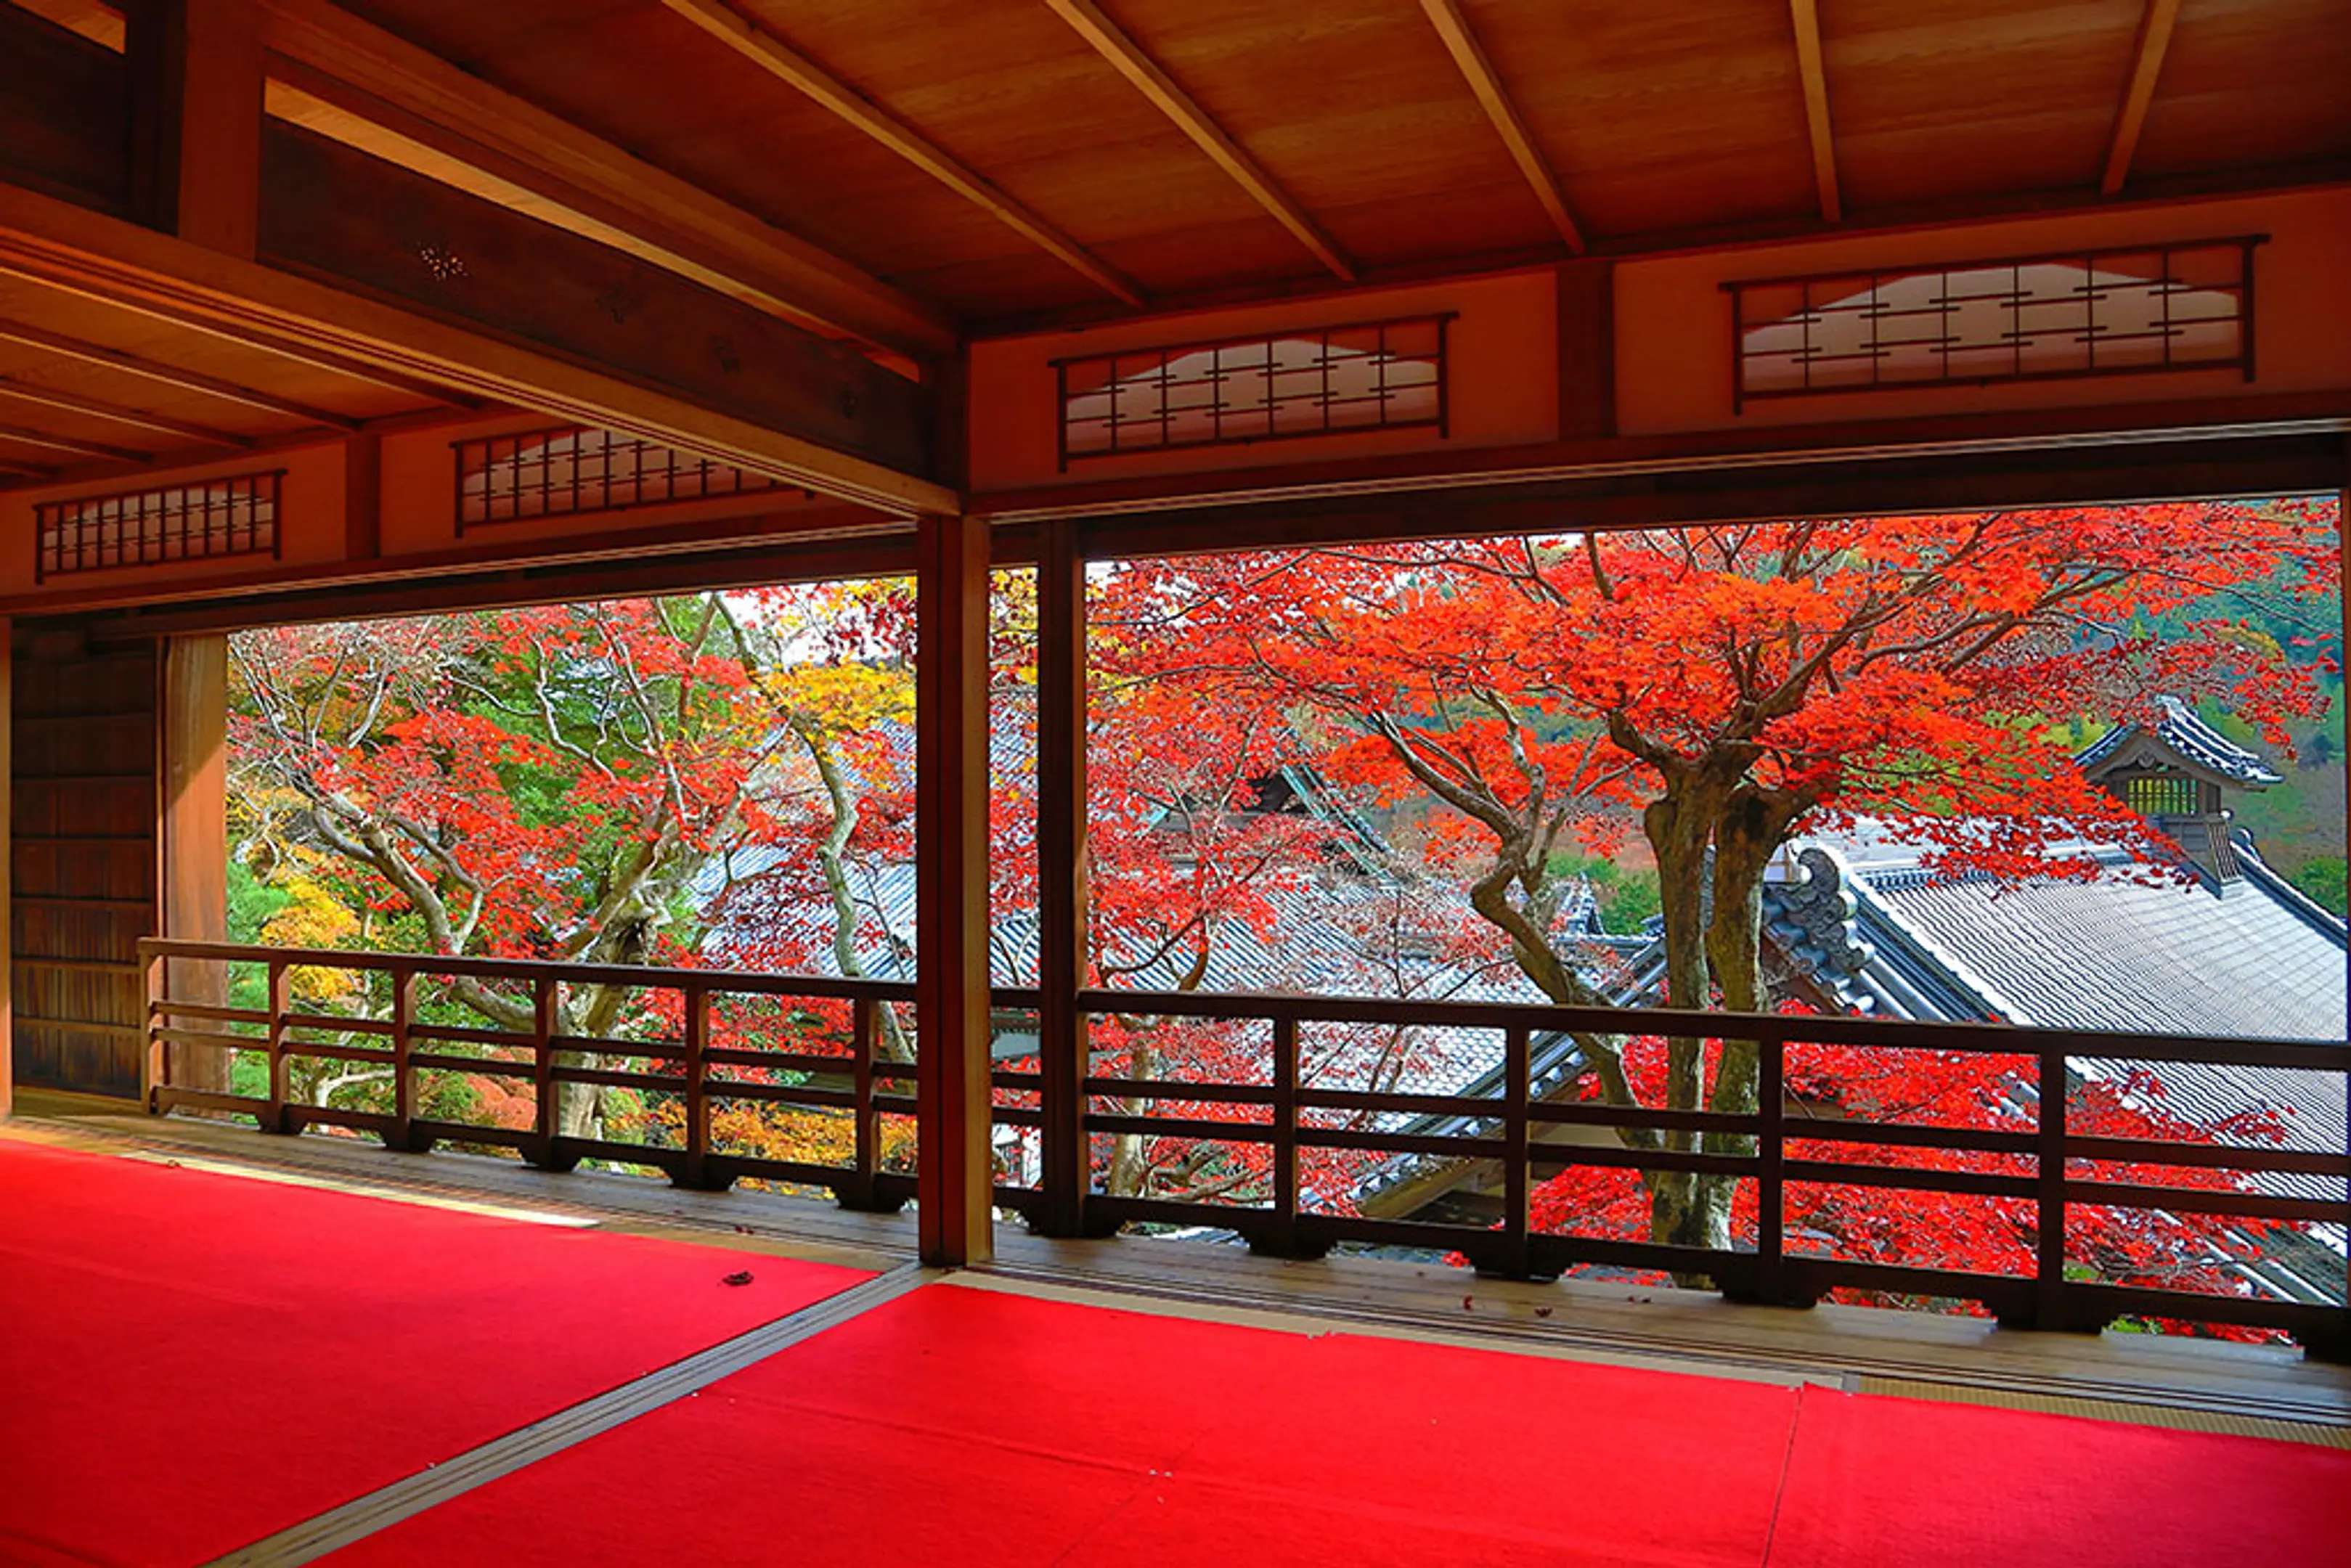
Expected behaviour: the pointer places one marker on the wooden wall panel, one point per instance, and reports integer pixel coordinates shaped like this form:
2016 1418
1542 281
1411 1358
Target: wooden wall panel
333 212
82 863
65 113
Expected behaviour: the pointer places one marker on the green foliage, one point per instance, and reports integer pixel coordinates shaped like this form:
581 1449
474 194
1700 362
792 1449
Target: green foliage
2322 880
251 902
1628 895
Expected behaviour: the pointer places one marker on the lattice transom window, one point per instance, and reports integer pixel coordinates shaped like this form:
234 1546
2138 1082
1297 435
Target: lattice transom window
203 520
2165 308
2163 795
1378 375
555 472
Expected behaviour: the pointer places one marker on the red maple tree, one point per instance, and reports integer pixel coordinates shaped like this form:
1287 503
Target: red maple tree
1715 689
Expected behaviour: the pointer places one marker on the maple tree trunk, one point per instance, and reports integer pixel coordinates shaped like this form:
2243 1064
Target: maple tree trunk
1678 828
1713 949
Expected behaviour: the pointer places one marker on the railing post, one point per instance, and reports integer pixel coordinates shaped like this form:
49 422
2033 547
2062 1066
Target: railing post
1518 1153
697 1086
2049 1172
545 1125
1283 1234
865 1121
272 1120
1771 1169
403 1077
157 1070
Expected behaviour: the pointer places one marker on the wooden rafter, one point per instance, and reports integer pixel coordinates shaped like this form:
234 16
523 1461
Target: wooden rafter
155 371
1815 76
803 75
66 443
1112 44
117 413
1487 84
585 182
25 470
66 279
2138 92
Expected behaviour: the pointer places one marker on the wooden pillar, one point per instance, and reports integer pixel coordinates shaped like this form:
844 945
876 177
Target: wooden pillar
1061 891
1588 350
193 844
955 1185
363 498
197 82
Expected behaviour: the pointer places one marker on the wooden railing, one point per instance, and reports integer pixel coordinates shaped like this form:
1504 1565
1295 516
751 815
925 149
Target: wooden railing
1770 1272
2040 1165
860 1080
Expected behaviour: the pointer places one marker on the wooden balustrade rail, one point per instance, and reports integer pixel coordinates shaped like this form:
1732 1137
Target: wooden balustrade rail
861 1080
2042 1166
1288 1114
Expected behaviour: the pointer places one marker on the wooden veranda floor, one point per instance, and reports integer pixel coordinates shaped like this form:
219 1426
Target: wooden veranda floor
2199 1385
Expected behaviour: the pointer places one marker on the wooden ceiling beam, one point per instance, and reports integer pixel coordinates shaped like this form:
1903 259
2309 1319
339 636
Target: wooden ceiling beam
2138 91
155 371
1814 74
634 205
50 442
135 269
66 280
25 470
1486 86
805 75
1127 57
117 413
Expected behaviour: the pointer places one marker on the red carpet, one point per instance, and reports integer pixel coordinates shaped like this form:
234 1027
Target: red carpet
190 1362
961 1426
1904 1483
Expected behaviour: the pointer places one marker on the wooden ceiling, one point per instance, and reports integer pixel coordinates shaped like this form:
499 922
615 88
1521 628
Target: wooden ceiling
902 173
1020 161
88 388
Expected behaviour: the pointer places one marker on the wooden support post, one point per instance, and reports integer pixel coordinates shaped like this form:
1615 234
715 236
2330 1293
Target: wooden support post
1062 1032
954 1187
363 498
197 73
194 839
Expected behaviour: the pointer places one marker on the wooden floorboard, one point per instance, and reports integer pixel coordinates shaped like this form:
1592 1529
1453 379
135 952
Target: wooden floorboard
1855 1348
